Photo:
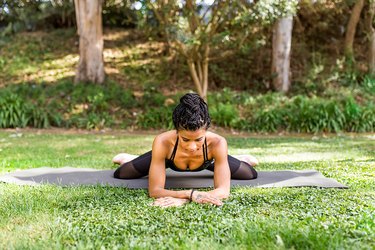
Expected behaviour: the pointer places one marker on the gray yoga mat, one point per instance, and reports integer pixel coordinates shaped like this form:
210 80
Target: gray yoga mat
68 176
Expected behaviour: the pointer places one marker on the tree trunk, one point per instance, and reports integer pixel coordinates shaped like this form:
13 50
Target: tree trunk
371 35
281 45
199 73
351 28
90 31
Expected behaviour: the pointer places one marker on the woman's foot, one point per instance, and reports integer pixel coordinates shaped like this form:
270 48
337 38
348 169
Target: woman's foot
122 158
249 159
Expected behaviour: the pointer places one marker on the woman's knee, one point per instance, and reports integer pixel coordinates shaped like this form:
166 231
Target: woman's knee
245 172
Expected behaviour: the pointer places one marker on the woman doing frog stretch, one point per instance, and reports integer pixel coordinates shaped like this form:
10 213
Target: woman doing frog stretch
189 147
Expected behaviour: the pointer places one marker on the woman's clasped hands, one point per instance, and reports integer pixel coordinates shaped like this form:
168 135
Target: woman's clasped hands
197 196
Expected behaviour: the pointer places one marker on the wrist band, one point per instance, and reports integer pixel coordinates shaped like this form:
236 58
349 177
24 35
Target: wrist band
191 195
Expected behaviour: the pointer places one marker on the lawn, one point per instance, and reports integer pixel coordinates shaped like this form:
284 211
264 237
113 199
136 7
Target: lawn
51 217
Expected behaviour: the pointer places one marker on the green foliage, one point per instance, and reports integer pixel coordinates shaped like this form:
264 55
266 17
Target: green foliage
267 11
18 111
32 15
156 118
311 115
368 83
19 15
359 118
119 14
224 114
13 111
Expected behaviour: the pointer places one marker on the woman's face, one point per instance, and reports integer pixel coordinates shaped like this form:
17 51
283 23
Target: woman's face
192 141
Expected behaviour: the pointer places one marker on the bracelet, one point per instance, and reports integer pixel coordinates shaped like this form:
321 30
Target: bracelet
191 195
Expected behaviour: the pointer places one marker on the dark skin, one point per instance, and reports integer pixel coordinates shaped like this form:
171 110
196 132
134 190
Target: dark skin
189 154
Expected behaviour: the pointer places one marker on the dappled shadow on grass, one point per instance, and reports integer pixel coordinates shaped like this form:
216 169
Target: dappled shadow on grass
39 57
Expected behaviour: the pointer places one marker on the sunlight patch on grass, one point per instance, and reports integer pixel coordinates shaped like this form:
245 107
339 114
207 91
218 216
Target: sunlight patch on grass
115 35
113 55
306 156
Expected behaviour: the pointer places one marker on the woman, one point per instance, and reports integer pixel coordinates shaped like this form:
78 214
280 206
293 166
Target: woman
190 147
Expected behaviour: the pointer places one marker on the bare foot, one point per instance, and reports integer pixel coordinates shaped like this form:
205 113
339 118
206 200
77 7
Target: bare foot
249 159
122 158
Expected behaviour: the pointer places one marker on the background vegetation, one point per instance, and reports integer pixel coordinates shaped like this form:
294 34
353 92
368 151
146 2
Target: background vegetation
145 78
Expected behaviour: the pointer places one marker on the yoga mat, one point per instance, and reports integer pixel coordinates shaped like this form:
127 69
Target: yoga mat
68 176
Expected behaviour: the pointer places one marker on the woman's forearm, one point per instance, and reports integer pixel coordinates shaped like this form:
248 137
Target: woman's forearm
161 192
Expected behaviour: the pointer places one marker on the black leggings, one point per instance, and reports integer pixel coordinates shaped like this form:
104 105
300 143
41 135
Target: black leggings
140 166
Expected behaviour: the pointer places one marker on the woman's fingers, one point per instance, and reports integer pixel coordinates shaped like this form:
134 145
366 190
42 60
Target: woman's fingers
202 197
199 197
169 202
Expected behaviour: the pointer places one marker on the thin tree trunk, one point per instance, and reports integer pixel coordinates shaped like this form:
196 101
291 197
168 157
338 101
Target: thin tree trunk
351 28
281 46
89 23
194 75
205 71
371 35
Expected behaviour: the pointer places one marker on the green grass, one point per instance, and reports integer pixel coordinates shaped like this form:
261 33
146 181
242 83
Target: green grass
47 216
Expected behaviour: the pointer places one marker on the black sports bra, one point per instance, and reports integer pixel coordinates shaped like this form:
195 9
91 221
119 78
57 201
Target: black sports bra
169 163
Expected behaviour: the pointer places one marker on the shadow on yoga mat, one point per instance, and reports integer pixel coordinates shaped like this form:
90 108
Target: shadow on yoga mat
68 176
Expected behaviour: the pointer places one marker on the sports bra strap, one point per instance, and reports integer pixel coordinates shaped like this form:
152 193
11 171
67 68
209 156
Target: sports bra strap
205 153
174 150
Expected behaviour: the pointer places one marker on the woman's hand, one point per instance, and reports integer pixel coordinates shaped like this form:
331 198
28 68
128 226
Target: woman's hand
204 197
169 202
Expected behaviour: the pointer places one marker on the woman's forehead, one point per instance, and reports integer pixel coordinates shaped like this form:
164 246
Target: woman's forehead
192 134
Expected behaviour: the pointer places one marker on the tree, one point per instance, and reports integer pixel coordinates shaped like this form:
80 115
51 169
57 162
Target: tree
203 32
281 46
89 23
371 36
351 29
190 29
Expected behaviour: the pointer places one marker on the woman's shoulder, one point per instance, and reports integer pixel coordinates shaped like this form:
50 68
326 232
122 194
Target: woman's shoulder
215 140
166 138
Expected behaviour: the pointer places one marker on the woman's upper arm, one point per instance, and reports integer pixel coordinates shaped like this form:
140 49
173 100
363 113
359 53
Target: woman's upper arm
221 172
157 169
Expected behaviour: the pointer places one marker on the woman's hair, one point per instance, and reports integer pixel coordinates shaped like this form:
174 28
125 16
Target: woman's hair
191 113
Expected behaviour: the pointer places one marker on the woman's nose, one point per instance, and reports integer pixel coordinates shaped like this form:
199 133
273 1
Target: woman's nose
192 146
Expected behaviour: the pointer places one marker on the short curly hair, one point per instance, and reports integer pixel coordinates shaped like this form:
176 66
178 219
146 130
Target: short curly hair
191 113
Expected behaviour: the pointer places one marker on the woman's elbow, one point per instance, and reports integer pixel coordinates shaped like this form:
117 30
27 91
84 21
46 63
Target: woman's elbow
152 194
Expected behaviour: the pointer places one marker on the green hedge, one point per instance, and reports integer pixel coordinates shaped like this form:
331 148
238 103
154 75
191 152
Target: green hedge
97 106
308 114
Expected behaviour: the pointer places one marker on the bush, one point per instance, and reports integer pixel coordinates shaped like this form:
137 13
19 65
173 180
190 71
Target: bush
13 111
311 115
156 118
17 111
224 115
91 106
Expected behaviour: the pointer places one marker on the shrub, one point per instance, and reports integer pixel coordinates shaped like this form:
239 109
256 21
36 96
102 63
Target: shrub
268 120
224 114
314 115
13 111
311 115
359 119
157 118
